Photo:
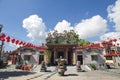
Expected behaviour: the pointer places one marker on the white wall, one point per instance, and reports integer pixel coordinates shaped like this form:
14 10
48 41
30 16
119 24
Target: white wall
87 57
34 57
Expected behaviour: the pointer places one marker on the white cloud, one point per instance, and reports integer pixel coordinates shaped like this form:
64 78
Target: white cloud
64 25
86 28
94 26
35 27
110 35
114 14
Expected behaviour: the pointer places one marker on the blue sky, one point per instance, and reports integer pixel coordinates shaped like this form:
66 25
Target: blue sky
54 13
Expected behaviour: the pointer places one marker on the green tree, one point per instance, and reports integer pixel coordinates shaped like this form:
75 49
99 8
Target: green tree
73 38
83 42
67 37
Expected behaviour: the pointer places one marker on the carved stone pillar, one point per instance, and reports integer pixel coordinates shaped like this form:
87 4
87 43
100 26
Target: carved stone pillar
74 57
66 55
55 55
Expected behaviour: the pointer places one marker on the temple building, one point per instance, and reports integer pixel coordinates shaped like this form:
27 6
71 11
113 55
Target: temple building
72 54
65 51
29 56
66 46
113 56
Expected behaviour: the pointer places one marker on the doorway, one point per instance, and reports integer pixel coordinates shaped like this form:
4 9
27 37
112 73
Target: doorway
70 58
80 58
52 59
41 58
60 54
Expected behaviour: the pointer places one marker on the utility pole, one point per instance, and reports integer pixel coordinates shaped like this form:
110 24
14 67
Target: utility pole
2 43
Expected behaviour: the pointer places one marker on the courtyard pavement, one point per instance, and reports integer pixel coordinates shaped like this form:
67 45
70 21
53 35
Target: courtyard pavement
11 73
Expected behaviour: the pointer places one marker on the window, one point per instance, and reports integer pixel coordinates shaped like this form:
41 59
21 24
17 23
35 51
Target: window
94 57
109 58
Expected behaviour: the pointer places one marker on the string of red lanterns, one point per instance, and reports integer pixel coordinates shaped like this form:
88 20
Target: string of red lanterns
112 54
5 38
103 44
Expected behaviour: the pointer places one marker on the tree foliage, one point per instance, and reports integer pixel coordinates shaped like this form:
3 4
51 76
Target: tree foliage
67 37
83 42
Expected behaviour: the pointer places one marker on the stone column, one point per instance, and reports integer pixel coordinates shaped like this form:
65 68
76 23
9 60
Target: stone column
66 54
54 55
74 57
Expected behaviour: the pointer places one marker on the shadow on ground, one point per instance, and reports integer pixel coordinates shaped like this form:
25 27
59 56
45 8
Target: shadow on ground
71 75
8 74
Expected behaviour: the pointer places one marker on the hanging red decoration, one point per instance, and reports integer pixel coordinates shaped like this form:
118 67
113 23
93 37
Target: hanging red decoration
8 38
2 37
20 43
118 44
103 43
17 41
98 45
114 40
30 45
110 41
13 40
114 45
24 44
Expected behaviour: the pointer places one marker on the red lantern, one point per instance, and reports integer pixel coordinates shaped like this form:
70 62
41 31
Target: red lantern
103 42
13 40
8 39
110 41
2 37
17 41
114 40
27 45
24 44
20 43
118 44
31 45
114 45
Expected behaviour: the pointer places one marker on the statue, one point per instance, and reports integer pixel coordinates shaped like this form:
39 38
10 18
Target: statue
61 68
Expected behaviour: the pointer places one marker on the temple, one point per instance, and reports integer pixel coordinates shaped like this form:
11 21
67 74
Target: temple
66 46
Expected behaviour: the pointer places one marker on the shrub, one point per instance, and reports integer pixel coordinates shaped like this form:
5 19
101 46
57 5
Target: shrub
93 66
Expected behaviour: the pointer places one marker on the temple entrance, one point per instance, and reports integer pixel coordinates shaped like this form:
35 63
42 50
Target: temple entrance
41 58
64 51
70 58
52 59
60 54
80 58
